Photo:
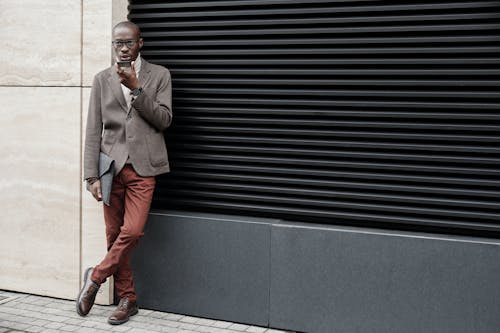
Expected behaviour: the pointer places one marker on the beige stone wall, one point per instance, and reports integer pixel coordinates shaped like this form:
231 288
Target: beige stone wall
51 229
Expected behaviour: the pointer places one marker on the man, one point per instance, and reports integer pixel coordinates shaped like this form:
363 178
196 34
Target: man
128 112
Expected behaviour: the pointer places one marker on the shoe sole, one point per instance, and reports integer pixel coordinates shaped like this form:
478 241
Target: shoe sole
118 322
80 293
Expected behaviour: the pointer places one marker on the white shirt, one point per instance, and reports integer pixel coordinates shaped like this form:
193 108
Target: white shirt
126 91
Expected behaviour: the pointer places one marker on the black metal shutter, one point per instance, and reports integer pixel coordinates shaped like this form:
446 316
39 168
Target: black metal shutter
378 113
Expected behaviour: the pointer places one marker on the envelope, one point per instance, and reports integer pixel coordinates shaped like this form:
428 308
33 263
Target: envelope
106 174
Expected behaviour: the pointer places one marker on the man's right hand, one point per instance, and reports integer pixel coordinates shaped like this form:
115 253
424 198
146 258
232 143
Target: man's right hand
95 189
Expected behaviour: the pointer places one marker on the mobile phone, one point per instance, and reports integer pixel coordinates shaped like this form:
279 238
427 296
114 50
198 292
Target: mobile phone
124 65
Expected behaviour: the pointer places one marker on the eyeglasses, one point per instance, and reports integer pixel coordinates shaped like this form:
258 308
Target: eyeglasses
119 43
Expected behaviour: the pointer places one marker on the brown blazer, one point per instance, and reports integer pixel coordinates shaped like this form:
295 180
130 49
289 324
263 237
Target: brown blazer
138 132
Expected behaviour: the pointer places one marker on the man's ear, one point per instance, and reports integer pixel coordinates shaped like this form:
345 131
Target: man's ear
141 43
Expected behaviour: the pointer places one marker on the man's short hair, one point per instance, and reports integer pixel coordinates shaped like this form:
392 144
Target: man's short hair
128 24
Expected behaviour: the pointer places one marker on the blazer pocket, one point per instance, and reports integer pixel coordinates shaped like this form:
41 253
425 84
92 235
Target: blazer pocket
157 150
108 141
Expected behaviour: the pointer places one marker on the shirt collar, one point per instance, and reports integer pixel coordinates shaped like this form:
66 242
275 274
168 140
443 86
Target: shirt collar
137 63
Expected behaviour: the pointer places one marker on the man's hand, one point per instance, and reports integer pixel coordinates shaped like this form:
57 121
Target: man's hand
128 79
95 189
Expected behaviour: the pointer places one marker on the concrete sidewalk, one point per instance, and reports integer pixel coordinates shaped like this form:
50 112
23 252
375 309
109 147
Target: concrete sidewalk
30 313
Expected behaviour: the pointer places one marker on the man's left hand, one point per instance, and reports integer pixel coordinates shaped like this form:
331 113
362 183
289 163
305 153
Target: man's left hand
128 79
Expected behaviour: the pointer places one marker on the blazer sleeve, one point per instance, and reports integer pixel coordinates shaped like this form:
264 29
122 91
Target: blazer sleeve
158 113
93 133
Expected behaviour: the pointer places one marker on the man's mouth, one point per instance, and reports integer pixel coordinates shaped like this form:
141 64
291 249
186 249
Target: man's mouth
125 57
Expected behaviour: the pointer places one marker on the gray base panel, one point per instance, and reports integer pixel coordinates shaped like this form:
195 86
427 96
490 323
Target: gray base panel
328 280
205 266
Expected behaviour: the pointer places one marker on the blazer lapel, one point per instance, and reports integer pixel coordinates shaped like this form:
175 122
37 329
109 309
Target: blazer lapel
145 73
116 88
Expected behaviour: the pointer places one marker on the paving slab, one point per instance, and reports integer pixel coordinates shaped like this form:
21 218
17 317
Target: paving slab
31 313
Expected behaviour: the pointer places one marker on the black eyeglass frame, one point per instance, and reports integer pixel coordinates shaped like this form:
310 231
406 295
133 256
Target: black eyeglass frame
130 43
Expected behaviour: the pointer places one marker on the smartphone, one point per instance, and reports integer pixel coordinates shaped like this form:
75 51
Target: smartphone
124 65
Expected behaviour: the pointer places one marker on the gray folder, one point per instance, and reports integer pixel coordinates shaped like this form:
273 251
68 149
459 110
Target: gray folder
106 174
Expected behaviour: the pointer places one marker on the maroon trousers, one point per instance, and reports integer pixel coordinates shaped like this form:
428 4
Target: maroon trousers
125 219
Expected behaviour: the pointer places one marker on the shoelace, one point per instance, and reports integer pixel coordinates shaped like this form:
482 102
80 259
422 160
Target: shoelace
124 304
91 290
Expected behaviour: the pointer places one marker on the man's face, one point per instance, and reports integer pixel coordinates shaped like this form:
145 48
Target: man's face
129 36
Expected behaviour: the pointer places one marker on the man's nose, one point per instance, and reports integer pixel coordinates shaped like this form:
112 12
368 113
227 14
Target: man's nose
124 46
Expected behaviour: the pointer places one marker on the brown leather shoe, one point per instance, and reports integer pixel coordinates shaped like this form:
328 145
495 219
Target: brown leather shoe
123 311
87 295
